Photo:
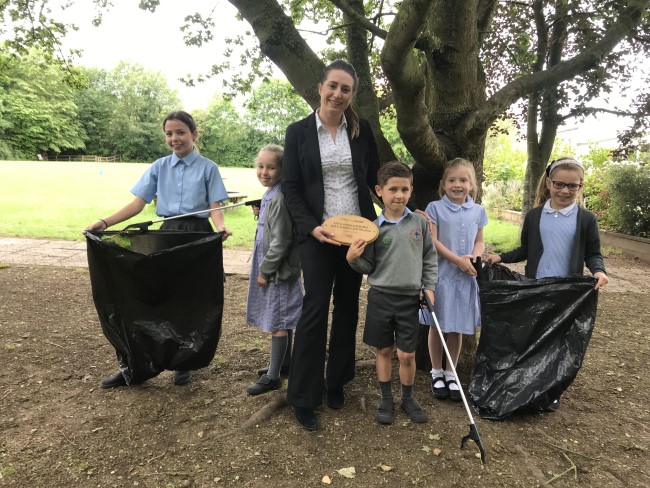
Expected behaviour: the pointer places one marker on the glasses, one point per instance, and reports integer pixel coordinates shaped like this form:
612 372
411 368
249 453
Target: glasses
559 185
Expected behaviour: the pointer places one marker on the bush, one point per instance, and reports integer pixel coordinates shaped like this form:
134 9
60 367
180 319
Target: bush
629 200
503 195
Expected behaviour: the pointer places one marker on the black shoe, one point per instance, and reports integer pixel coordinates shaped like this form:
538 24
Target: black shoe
385 411
414 411
182 377
441 393
113 381
454 395
263 385
553 406
335 398
306 417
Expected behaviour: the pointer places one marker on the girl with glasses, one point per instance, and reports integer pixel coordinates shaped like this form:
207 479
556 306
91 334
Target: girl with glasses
558 237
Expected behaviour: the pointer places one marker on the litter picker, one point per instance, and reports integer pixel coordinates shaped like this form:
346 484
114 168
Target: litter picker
473 433
140 227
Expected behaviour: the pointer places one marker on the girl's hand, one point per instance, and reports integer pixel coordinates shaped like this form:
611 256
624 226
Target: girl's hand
256 211
465 264
355 250
262 281
323 236
226 232
491 258
96 226
602 279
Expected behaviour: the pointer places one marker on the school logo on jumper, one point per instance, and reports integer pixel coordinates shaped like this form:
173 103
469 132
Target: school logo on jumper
387 240
416 235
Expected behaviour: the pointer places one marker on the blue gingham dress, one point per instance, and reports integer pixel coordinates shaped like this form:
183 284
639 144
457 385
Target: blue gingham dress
275 306
457 304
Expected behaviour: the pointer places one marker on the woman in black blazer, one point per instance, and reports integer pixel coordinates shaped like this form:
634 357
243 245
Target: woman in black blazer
330 166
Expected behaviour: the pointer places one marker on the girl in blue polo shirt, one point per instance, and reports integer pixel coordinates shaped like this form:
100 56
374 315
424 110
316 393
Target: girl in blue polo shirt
183 182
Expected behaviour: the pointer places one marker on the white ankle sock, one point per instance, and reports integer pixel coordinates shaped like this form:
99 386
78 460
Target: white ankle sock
437 373
449 376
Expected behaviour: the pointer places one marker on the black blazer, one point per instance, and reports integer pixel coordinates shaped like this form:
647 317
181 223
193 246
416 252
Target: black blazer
302 173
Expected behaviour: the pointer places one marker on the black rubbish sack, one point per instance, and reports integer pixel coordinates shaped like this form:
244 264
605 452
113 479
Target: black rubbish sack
159 297
534 336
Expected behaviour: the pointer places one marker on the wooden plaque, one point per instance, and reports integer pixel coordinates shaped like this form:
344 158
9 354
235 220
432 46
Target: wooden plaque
349 228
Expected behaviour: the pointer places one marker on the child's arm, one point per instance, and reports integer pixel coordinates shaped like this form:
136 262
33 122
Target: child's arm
361 256
219 221
593 255
131 209
280 238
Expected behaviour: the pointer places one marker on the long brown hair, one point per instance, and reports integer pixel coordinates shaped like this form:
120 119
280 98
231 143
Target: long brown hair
350 115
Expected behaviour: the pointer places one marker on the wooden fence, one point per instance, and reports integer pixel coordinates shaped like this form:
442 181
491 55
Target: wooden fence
85 158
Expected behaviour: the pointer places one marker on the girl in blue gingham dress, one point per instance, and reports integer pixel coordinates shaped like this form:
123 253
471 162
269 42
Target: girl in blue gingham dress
457 230
275 291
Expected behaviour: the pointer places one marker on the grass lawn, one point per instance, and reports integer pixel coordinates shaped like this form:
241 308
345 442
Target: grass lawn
57 200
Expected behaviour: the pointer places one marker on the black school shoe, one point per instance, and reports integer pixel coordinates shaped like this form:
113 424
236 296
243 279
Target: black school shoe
335 398
454 395
553 406
385 412
441 393
306 417
113 381
182 377
264 384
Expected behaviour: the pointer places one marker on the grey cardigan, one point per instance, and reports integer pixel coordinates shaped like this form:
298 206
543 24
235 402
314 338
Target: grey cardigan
281 260
586 246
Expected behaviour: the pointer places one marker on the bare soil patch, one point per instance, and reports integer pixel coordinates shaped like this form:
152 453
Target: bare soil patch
59 429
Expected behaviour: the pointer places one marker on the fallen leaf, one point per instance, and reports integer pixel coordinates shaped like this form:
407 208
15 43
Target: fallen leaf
477 455
327 480
434 437
437 451
200 433
347 472
426 449
619 389
385 468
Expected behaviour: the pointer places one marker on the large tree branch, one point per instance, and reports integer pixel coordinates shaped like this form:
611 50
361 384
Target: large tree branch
283 45
480 120
405 75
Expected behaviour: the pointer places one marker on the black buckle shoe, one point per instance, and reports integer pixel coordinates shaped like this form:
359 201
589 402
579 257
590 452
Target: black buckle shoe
182 377
335 398
263 385
113 381
306 417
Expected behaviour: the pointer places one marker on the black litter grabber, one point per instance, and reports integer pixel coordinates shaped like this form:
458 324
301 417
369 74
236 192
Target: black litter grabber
473 433
140 227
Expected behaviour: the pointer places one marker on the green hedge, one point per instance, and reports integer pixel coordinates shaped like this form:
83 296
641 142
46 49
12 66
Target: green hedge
628 211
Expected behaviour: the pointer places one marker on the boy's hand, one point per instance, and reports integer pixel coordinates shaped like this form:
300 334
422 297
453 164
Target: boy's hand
355 250
430 295
602 279
465 264
491 258
262 281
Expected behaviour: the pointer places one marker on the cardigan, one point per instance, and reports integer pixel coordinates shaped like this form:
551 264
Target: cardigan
279 244
586 245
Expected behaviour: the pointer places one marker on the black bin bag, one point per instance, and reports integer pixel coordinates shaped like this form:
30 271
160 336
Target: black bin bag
159 297
534 336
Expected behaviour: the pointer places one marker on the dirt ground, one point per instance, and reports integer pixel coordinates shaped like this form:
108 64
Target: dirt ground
58 429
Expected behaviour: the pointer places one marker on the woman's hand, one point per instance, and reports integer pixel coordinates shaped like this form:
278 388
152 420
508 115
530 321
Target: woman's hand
262 281
324 236
602 279
355 250
491 258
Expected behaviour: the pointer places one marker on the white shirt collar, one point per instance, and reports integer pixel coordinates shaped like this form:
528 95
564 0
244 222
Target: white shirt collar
566 211
319 122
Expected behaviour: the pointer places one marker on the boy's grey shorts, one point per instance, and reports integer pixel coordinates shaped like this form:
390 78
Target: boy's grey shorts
392 319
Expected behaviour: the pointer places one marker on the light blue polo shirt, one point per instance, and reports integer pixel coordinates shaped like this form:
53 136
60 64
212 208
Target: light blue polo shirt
558 230
182 185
